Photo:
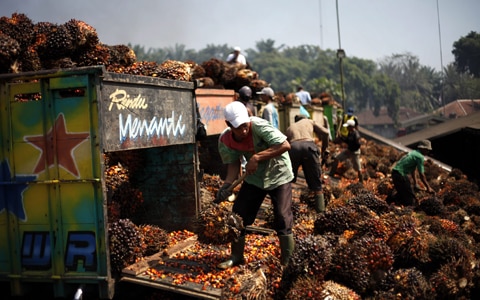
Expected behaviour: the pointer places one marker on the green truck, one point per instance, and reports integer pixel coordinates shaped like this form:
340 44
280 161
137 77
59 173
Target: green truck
55 127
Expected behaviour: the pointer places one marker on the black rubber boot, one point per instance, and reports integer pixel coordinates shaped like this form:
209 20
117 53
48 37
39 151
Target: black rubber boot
236 257
287 245
333 169
319 203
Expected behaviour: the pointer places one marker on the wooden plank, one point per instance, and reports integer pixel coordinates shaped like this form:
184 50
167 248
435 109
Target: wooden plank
153 260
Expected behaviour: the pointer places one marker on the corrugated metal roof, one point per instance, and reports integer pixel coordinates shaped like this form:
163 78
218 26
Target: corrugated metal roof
459 108
442 129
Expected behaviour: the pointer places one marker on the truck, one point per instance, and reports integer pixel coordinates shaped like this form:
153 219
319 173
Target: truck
56 126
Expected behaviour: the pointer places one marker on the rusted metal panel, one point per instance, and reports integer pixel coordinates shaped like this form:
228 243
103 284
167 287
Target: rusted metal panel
211 103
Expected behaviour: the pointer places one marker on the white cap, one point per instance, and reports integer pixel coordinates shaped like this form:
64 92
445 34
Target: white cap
236 48
267 91
349 123
236 113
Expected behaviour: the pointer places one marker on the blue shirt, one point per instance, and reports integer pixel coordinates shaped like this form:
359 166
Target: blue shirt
270 114
304 97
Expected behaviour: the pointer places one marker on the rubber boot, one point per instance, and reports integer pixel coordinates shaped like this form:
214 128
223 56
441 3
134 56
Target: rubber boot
287 245
319 203
236 257
333 170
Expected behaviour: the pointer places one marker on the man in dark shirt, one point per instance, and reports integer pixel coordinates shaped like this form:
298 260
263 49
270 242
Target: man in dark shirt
352 151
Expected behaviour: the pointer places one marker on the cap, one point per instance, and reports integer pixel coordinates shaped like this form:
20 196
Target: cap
245 92
267 91
236 113
236 48
350 111
349 123
425 144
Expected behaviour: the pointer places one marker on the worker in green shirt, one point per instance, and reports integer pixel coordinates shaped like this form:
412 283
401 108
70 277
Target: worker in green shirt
269 172
406 166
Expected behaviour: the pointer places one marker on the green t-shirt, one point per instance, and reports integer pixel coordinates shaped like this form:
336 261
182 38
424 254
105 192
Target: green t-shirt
407 164
270 173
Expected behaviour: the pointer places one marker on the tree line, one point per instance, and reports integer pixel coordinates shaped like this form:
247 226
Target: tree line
399 80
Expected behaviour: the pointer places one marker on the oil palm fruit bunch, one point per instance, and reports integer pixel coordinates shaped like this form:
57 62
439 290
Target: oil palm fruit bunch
83 35
408 283
217 224
96 55
333 290
371 201
144 68
350 272
155 239
214 68
9 52
121 55
306 287
176 70
454 280
53 41
125 242
312 257
18 27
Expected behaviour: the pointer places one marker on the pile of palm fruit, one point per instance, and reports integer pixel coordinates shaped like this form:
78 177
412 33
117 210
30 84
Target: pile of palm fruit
364 246
32 46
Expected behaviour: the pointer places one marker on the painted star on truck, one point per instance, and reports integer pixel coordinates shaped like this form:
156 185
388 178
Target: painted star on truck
66 143
12 200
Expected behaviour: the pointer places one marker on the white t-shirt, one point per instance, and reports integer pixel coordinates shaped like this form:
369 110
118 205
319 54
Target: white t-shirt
240 58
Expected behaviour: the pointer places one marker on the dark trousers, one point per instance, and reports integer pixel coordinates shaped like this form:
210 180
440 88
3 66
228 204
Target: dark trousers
307 155
250 198
405 194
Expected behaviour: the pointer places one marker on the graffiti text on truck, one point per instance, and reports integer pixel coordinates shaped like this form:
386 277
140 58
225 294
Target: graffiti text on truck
80 251
132 127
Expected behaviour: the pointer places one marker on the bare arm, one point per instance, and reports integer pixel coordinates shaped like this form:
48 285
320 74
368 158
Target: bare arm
266 154
323 134
233 170
423 178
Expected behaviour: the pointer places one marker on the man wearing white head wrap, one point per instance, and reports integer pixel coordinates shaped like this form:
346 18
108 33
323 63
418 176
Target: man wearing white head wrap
236 57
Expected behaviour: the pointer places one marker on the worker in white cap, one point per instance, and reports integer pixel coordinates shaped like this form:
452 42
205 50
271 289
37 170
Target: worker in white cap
269 172
236 57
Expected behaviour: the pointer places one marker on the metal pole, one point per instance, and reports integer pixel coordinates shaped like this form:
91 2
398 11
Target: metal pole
338 27
340 54
341 83
441 60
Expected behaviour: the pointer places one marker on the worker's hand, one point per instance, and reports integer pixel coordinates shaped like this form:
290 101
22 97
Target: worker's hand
223 193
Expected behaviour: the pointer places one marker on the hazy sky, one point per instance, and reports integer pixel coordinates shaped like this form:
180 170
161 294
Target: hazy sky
369 29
